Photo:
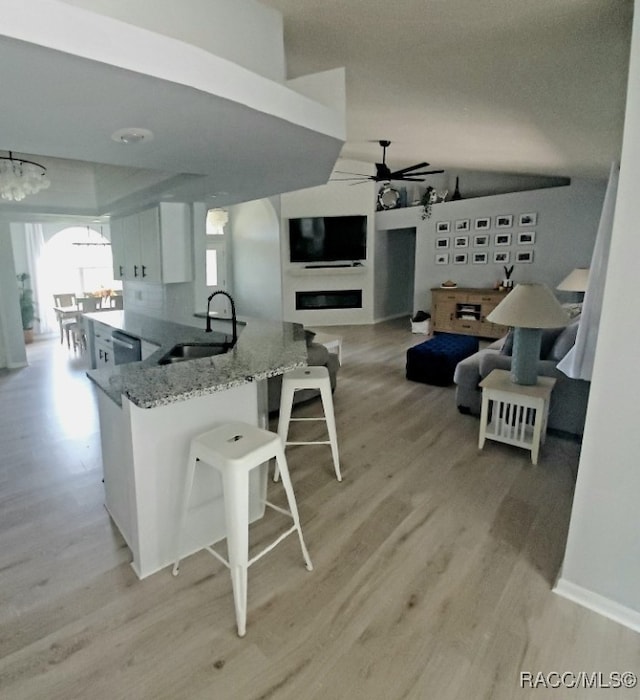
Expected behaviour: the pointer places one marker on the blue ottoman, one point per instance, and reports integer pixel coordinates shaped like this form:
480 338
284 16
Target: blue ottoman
434 361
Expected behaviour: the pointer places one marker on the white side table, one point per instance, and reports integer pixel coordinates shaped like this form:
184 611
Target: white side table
518 412
333 343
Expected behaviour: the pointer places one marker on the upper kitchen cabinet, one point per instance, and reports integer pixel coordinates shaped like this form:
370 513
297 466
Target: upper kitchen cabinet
153 245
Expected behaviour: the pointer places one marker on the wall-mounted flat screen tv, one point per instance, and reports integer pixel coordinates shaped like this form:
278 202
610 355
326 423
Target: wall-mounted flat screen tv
328 239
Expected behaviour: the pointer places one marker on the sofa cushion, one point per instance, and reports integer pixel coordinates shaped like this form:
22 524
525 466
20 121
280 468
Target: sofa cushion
547 340
564 342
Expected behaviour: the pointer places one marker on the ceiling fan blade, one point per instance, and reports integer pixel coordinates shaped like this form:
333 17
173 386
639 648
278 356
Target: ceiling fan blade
409 179
425 172
344 172
411 167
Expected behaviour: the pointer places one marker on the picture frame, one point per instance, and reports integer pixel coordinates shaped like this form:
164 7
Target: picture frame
502 239
461 242
528 219
462 225
460 258
443 227
481 240
442 258
504 221
442 243
480 258
524 256
483 223
526 237
501 257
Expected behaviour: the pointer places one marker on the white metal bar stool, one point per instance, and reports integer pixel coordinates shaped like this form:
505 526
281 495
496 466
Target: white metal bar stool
315 377
234 449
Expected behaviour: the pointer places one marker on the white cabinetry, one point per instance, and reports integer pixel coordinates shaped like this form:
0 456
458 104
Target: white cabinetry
153 245
102 346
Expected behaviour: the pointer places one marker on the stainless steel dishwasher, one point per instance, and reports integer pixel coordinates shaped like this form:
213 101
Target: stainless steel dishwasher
126 348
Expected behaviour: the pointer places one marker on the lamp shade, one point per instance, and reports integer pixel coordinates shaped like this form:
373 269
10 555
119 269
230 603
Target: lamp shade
575 281
530 306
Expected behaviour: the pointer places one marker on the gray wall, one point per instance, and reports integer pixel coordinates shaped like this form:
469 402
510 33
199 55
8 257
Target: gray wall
567 223
394 273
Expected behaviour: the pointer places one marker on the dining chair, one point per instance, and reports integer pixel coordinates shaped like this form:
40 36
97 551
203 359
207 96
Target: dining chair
76 329
61 301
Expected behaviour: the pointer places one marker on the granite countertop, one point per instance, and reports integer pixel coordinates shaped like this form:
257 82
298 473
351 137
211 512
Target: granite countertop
264 349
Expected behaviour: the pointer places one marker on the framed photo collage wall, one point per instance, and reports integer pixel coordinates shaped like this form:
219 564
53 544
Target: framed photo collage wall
503 240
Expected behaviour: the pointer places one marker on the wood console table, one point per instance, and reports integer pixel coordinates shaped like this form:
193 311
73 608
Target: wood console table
464 310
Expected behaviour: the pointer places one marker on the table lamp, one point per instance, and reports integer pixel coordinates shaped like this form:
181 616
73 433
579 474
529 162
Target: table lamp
575 281
528 308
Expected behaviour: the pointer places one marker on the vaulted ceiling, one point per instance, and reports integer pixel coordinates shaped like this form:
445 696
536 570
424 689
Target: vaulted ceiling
515 86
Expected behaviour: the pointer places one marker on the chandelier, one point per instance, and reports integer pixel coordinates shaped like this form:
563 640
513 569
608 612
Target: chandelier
19 178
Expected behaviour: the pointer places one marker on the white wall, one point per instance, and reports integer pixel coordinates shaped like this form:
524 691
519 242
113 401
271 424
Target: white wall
332 199
12 350
244 32
255 259
602 561
564 236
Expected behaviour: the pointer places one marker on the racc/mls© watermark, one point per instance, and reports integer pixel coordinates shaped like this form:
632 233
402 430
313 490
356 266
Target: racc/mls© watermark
578 679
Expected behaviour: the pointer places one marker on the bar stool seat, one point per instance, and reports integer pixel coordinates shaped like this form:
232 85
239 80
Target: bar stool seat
234 449
316 377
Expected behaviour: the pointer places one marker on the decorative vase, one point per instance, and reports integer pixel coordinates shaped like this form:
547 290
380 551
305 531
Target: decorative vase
456 193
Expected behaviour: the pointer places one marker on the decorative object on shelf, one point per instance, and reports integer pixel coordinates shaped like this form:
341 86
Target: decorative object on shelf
449 284
388 197
27 307
429 197
456 192
528 308
385 174
19 178
507 282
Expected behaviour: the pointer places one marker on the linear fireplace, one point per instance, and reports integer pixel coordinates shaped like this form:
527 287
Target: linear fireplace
329 299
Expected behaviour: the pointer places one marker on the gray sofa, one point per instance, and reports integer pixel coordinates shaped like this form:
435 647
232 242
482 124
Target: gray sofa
569 398
317 355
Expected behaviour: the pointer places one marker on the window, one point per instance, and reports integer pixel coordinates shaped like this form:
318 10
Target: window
216 240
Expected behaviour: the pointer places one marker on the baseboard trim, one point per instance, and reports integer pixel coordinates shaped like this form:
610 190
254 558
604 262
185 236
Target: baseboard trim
393 317
594 601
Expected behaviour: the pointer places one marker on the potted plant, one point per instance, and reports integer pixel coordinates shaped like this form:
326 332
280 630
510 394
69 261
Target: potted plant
27 307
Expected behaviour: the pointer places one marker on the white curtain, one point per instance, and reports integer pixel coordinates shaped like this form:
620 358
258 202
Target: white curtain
42 293
578 363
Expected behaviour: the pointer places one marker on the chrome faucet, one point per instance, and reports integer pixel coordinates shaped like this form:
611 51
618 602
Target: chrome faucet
234 320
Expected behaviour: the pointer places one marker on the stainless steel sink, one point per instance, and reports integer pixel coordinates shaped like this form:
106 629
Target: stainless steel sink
192 351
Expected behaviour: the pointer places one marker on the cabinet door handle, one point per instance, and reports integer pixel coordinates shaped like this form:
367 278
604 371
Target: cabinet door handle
135 270
144 268
100 354
121 270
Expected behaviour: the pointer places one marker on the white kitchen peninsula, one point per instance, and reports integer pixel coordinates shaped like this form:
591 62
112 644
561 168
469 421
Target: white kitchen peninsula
150 412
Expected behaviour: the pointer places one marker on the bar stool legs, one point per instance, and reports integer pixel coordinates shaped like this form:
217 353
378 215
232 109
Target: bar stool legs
234 449
308 378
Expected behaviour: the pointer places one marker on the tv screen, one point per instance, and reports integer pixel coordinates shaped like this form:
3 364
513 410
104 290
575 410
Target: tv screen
328 239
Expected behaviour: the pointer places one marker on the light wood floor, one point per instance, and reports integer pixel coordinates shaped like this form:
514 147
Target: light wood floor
433 563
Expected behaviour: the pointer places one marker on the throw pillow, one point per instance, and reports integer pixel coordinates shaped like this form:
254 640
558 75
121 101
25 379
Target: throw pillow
565 341
547 339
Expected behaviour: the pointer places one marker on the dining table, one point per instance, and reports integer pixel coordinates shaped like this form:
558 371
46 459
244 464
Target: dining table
71 314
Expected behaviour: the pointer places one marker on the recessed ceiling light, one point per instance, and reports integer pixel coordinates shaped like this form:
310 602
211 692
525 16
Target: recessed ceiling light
132 135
